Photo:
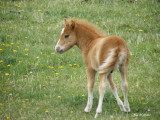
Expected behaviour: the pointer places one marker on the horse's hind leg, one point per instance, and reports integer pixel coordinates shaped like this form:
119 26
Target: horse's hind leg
102 89
123 70
115 93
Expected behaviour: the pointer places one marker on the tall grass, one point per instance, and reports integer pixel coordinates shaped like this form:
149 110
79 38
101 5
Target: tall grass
36 83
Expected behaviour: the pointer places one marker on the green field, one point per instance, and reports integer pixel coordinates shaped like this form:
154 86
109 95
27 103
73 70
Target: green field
36 83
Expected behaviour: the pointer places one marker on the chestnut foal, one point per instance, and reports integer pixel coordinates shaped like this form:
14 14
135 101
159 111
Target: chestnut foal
102 54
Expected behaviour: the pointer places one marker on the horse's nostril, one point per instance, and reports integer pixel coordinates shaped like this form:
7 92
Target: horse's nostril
57 49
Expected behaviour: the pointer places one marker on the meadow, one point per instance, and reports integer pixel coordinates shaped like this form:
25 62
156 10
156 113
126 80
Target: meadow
36 83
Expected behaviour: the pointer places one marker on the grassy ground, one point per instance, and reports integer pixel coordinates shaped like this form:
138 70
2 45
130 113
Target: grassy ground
38 84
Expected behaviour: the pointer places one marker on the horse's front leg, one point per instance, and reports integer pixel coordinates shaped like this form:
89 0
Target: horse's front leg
91 79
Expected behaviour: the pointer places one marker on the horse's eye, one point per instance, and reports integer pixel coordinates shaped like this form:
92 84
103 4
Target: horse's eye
66 36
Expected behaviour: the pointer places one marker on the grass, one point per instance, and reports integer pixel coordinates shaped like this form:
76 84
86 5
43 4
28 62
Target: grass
38 84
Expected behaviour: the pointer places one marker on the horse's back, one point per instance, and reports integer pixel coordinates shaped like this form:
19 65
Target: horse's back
108 50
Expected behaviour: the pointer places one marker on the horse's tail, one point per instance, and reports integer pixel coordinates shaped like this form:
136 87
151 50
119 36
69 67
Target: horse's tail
115 58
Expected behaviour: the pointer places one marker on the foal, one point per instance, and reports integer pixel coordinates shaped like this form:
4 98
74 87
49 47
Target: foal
102 54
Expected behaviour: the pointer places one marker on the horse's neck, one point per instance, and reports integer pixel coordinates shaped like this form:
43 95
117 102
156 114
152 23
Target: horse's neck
85 39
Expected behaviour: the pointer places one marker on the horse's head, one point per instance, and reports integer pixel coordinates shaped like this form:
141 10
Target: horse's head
67 38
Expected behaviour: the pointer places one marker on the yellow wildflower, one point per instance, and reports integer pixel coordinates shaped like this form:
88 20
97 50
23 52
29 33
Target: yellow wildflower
1 104
52 53
1 61
46 111
144 103
7 74
140 30
76 65
26 100
10 36
71 112
26 49
19 61
12 43
60 67
8 45
3 44
138 15
25 75
59 97
50 67
57 73
18 5
8 65
83 95
37 108
8 118
22 101
48 56
70 65
37 57
142 98
14 50
36 63
1 49
39 10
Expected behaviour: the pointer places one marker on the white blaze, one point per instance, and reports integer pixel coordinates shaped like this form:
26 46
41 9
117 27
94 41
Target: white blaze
62 31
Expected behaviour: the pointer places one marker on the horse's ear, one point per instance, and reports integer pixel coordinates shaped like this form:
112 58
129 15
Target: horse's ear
72 24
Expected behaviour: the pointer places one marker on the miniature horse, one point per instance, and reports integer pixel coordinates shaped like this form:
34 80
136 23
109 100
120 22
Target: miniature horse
102 54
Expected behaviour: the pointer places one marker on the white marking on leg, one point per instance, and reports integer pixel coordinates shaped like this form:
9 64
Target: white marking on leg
99 108
126 105
123 71
90 101
120 103
124 89
102 90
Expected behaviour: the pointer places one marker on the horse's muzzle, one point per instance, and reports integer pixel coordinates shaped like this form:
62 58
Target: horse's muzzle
59 50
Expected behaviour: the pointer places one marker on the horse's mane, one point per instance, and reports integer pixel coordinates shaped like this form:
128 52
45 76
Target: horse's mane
88 27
